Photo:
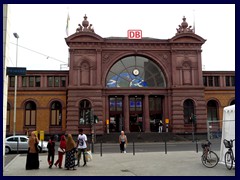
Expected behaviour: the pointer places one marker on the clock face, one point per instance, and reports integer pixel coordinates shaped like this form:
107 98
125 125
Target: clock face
135 72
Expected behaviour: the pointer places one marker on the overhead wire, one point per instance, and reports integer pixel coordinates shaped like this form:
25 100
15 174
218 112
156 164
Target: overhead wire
48 57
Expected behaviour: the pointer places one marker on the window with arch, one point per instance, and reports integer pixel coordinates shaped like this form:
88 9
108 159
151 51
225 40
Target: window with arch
135 71
84 112
188 107
8 115
56 114
212 110
232 102
30 113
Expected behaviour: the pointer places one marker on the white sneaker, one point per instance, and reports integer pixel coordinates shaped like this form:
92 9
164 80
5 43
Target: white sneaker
125 152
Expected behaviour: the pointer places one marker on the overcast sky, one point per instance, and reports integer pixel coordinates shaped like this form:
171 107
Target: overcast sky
42 29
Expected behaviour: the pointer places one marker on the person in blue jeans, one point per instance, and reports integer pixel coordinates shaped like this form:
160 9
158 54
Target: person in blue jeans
123 142
82 146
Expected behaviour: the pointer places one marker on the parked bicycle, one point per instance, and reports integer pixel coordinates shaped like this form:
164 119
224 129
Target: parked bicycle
229 156
209 158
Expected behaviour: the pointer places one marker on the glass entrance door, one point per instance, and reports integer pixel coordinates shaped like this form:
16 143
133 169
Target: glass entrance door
115 114
155 112
136 113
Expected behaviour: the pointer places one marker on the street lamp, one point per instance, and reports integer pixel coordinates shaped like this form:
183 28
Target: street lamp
15 89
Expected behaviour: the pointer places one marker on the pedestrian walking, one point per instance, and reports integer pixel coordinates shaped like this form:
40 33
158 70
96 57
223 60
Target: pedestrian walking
51 151
160 127
123 142
70 153
61 151
32 155
82 147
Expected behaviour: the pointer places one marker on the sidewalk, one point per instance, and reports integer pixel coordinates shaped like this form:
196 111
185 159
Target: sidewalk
183 163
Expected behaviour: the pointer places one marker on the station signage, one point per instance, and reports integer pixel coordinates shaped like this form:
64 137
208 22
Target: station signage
16 71
134 34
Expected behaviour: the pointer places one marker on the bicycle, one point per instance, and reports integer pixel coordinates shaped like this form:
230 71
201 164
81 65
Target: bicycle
209 158
229 156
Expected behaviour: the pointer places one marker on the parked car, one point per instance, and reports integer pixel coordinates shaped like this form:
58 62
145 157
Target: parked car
21 142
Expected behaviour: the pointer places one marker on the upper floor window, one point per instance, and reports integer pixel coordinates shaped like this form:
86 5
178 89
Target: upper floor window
56 81
211 81
12 81
230 80
31 81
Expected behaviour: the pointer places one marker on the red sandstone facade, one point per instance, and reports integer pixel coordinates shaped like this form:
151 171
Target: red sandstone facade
135 98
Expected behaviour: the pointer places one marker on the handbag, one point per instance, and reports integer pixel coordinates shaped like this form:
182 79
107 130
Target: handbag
88 156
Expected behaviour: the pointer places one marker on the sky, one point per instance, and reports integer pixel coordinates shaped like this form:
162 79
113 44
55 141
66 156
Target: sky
42 29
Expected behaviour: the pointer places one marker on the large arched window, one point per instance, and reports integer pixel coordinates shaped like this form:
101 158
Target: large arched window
56 114
84 112
30 114
188 106
135 71
212 107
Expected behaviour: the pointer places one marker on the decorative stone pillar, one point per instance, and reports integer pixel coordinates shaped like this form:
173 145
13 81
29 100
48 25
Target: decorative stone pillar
126 114
106 113
146 114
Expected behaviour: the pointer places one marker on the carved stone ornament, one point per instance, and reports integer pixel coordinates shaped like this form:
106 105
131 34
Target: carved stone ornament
184 28
85 26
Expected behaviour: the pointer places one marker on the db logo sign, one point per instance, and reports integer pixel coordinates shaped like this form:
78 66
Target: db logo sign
134 34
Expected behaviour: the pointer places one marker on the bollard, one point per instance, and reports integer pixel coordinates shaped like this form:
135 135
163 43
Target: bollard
92 147
101 148
196 146
165 147
133 148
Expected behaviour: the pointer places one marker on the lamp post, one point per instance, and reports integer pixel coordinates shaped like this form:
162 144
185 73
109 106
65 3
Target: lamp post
15 89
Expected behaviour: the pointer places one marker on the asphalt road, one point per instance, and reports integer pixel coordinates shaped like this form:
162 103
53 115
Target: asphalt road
138 147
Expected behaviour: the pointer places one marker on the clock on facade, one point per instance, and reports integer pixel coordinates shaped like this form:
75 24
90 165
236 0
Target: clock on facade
135 72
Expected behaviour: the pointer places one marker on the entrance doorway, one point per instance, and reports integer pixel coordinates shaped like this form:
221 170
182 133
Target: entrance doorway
155 112
136 113
115 114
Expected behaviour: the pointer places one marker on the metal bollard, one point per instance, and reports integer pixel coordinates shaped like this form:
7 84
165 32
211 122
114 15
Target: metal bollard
92 147
196 146
133 148
101 148
17 146
165 147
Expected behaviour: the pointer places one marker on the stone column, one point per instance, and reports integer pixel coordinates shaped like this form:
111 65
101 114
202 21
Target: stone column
99 67
106 113
126 114
146 114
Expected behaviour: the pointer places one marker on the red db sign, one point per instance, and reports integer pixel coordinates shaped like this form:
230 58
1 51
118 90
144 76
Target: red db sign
134 34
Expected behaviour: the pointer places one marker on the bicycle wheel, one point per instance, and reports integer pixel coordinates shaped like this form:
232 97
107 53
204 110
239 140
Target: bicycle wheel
228 160
210 160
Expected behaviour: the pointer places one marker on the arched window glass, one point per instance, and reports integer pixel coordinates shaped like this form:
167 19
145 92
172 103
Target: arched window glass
232 102
30 113
188 110
84 112
212 110
135 71
56 114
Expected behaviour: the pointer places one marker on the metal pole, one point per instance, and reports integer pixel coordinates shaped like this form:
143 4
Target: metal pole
17 145
165 146
133 148
208 133
192 132
92 147
15 89
196 146
101 148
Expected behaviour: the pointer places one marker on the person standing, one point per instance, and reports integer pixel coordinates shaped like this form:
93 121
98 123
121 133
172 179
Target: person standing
51 151
32 156
70 153
160 126
61 151
82 146
123 142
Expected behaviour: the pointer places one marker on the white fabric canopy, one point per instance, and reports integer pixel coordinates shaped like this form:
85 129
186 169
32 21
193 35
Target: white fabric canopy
228 129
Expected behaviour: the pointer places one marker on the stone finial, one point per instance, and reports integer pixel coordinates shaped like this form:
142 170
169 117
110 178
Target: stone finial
184 28
85 26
